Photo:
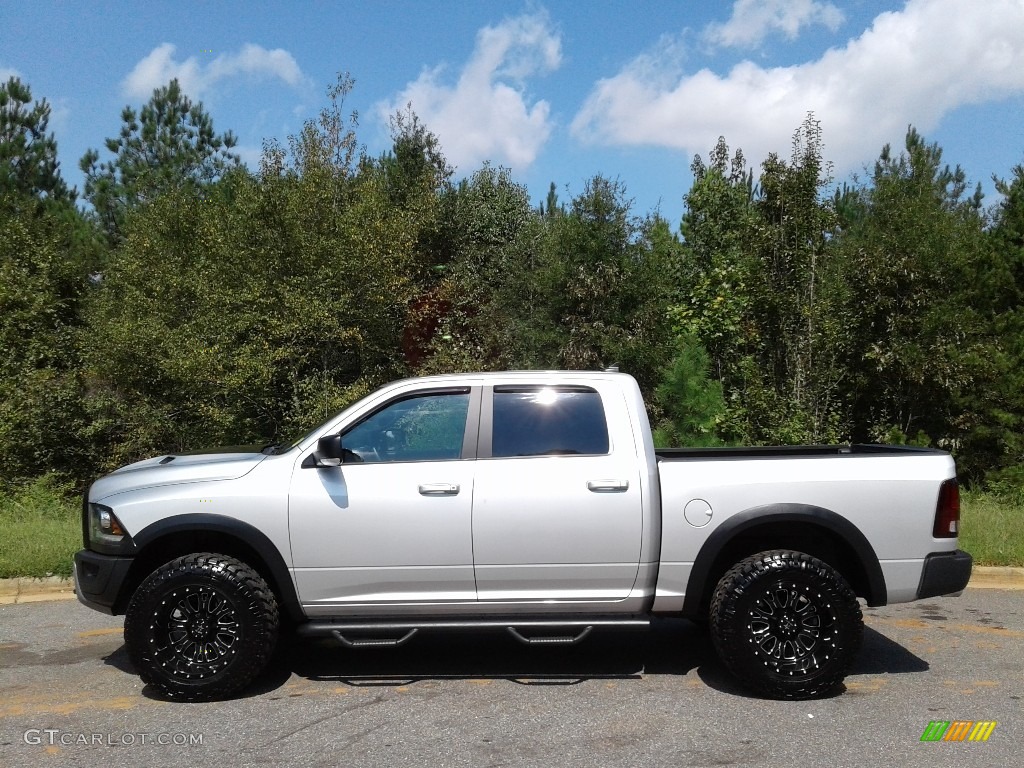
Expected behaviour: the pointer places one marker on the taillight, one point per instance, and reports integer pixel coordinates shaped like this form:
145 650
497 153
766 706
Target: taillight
947 512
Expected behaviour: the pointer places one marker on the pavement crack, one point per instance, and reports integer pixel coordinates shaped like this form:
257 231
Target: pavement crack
373 702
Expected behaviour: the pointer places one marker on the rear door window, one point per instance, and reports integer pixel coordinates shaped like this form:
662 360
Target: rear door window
548 421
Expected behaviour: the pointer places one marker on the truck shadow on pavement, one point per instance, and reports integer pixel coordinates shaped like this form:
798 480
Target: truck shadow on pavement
670 647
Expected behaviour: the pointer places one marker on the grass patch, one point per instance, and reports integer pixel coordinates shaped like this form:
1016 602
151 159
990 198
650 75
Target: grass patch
991 528
40 529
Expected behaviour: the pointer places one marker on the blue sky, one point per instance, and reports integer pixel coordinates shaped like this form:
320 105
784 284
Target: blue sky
556 91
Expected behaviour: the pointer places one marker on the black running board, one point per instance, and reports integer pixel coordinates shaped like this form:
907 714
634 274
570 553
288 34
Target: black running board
550 639
374 632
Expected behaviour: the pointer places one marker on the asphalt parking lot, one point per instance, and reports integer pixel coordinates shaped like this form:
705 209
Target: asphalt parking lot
68 696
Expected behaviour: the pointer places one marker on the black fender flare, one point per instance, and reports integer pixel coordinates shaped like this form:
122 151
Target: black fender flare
783 513
246 533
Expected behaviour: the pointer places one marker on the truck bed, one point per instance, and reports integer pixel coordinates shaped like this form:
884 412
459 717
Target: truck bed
789 451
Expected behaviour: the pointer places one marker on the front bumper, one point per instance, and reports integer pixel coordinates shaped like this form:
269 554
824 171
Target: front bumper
99 579
944 573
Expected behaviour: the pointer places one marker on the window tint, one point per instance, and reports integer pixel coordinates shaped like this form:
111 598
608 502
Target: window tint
548 421
423 428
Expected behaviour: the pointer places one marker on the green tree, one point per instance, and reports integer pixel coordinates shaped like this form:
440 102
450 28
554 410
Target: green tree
583 288
998 442
28 154
796 296
480 313
759 285
550 205
921 283
713 298
1008 234
602 282
415 167
43 266
45 256
169 144
255 311
691 402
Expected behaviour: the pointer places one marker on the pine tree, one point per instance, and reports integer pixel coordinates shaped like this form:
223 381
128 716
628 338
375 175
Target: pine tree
28 154
690 400
169 144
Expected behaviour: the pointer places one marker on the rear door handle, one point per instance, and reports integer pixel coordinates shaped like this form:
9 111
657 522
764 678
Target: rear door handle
607 486
439 489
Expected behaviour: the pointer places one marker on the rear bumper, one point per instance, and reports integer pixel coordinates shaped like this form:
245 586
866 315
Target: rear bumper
99 578
944 573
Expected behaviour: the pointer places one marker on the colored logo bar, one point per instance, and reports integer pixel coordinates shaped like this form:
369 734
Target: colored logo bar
958 730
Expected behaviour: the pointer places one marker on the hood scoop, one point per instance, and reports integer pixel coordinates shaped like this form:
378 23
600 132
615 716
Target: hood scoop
166 459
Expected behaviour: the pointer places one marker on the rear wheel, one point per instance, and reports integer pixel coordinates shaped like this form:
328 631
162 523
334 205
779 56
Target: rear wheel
786 624
201 627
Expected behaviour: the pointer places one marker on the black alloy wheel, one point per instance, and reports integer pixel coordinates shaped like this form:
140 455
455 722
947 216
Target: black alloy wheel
201 627
786 624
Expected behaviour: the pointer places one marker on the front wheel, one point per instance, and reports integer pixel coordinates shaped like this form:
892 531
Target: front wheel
201 627
786 624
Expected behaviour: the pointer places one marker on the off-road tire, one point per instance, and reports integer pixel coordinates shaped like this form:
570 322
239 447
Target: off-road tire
201 627
787 625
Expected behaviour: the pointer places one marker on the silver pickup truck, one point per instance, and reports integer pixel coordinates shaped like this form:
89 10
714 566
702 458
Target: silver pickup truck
534 502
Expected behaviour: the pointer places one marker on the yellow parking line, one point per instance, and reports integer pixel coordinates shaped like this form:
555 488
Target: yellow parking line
100 632
919 624
18 706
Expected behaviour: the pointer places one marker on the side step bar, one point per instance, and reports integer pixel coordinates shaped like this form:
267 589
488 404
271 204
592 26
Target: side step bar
390 642
573 631
549 639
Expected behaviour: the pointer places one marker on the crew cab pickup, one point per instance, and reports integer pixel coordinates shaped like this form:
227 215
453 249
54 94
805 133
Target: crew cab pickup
531 501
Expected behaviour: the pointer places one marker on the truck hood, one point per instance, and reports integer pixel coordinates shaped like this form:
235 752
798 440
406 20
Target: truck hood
171 469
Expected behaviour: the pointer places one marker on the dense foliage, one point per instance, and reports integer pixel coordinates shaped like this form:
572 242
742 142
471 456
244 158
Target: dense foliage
197 302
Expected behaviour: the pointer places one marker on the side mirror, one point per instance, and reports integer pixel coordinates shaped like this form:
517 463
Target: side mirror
329 451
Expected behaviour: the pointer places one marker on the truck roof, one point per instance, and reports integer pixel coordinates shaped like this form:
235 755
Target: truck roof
513 375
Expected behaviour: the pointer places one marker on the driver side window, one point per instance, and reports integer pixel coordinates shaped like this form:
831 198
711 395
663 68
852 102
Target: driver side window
427 427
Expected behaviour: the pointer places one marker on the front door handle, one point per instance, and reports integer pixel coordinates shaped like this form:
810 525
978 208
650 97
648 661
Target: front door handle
607 486
439 489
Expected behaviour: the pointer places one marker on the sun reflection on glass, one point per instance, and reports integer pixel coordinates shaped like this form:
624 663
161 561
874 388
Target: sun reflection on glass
546 397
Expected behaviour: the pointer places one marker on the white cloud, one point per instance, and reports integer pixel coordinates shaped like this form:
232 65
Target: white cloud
198 75
753 20
6 73
912 66
486 114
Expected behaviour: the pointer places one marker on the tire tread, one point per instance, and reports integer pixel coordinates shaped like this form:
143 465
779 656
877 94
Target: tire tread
733 647
259 645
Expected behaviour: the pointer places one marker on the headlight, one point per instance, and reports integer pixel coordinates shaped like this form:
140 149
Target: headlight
106 534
